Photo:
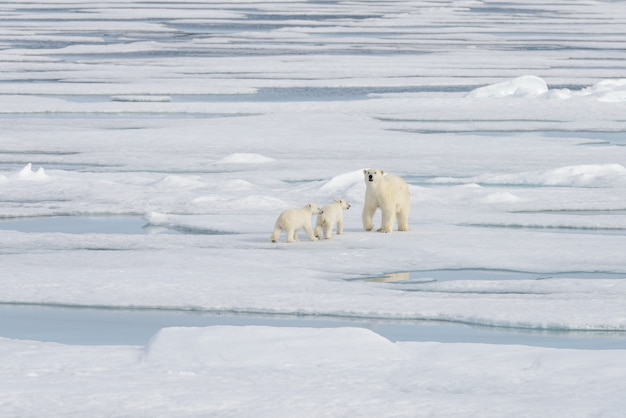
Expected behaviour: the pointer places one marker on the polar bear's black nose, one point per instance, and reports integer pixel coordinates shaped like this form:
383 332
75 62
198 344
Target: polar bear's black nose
371 177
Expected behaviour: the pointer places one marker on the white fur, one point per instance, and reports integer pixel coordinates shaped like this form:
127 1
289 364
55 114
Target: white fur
333 215
291 220
389 193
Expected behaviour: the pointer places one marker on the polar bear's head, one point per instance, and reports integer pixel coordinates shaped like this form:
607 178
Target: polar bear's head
315 210
373 176
342 204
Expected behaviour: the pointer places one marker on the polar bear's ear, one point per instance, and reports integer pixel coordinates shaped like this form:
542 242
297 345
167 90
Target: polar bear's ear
382 172
365 171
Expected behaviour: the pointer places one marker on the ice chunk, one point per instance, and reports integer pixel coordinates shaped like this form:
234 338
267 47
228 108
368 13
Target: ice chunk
246 346
586 175
501 197
525 86
27 173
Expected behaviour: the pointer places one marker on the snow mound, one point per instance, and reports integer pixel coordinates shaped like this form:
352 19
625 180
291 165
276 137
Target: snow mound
501 197
176 182
525 86
340 185
608 90
586 175
245 158
259 345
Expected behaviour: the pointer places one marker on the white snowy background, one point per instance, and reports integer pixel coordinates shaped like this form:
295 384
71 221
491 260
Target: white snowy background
507 119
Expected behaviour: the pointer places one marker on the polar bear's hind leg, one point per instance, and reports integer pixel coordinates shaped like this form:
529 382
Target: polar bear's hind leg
403 220
275 234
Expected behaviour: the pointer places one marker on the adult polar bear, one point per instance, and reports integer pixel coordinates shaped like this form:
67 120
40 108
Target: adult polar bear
390 193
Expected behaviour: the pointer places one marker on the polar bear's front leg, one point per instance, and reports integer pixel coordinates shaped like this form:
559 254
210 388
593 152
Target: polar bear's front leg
368 216
309 232
291 234
318 228
388 219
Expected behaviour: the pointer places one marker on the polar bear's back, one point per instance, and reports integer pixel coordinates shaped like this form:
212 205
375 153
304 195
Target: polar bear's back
331 213
396 186
295 217
396 182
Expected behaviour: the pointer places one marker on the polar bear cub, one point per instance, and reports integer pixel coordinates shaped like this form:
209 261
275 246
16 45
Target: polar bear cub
291 220
390 193
333 215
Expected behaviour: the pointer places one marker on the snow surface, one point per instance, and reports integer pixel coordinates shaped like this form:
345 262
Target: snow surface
506 119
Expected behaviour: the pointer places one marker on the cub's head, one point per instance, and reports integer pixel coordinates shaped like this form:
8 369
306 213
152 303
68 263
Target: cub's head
315 210
343 204
372 175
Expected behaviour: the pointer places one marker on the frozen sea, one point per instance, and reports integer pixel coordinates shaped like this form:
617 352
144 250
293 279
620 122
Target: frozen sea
147 147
